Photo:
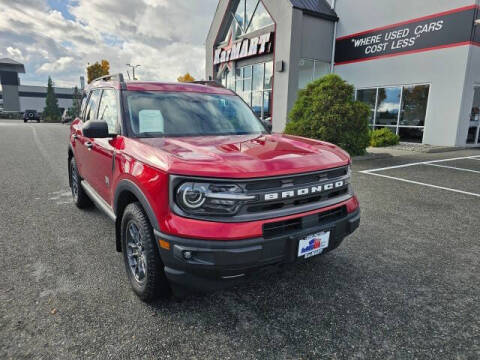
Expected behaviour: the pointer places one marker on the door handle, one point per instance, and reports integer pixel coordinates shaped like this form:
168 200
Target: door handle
89 145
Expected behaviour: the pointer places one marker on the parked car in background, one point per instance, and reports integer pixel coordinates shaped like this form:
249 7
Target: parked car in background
66 117
31 115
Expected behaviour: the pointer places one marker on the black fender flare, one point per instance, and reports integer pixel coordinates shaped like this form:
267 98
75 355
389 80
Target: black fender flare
128 185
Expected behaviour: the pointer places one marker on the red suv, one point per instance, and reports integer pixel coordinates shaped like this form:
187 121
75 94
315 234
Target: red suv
201 194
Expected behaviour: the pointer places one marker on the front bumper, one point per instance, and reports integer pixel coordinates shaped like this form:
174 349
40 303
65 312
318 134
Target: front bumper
219 264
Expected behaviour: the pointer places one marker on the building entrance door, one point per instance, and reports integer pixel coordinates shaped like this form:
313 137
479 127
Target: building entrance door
473 136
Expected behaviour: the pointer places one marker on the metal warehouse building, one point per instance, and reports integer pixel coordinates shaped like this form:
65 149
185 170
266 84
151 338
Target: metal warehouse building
415 63
18 98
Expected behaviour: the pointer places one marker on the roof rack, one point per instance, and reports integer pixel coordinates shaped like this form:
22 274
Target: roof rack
118 77
212 83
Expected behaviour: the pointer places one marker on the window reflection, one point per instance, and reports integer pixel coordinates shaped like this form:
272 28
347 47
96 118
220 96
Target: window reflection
414 105
250 15
369 97
388 106
402 109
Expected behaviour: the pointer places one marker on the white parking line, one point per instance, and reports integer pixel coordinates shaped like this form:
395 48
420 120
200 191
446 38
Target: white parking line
476 157
455 168
425 184
374 172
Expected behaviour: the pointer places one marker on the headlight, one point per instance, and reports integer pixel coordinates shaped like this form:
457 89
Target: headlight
210 198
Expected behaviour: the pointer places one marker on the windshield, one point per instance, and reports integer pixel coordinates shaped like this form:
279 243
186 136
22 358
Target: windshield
176 114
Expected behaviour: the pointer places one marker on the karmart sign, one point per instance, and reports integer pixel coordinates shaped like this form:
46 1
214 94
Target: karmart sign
245 48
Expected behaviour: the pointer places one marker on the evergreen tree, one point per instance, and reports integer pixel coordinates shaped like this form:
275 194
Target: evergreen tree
74 111
51 112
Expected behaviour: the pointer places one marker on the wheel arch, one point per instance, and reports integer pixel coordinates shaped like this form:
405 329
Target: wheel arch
126 193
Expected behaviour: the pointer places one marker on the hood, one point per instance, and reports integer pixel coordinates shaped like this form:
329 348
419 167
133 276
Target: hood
240 156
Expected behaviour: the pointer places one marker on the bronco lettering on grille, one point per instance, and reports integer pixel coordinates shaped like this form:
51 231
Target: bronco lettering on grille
303 191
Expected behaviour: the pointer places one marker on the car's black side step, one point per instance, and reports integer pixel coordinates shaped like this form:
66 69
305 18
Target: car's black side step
98 200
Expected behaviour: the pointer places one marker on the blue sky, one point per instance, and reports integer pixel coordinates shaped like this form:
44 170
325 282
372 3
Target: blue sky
58 38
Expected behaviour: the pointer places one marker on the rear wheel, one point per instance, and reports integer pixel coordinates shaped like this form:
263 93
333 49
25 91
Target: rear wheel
80 197
142 261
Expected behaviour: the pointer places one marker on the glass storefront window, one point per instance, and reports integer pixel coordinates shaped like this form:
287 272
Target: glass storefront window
414 105
388 106
321 69
257 83
257 102
267 104
253 84
305 72
369 97
473 136
409 134
402 109
268 75
260 19
310 70
251 15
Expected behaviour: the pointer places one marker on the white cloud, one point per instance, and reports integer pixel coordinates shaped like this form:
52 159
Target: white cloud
165 36
58 65
15 53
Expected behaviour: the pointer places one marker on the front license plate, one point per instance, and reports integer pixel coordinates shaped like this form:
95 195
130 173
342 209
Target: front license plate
313 244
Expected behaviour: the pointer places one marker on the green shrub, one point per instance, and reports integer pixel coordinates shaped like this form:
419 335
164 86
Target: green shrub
326 110
383 137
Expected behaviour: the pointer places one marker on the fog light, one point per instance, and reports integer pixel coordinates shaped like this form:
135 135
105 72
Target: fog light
187 255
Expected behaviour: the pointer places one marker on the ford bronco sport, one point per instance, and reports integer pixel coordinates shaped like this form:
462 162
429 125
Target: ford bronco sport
200 193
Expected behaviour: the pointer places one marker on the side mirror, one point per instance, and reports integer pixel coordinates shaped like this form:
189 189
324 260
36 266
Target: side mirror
95 129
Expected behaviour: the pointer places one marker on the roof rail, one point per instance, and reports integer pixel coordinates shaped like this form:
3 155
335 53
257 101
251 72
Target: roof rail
118 77
212 83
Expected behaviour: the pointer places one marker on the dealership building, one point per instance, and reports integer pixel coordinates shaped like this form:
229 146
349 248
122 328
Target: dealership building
15 97
415 63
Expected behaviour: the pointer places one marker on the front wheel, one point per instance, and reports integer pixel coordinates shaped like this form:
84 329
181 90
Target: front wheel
142 261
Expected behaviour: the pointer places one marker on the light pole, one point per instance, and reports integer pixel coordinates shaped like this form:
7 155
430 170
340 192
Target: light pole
133 70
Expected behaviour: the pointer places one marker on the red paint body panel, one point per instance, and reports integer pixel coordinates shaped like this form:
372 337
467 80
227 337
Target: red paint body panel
197 229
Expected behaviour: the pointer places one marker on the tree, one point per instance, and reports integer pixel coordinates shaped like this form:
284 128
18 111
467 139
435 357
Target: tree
186 78
74 111
51 112
97 70
326 110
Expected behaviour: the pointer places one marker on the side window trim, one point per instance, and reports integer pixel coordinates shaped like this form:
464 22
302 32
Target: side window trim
84 106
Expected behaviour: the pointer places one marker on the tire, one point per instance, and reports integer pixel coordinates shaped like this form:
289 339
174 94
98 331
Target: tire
80 197
140 254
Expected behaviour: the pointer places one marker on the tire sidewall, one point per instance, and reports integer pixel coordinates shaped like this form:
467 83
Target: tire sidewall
128 217
73 169
155 285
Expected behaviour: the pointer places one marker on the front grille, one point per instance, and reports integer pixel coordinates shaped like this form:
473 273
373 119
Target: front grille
294 182
287 227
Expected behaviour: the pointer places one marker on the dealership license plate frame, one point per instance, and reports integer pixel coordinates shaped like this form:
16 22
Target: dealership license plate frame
323 238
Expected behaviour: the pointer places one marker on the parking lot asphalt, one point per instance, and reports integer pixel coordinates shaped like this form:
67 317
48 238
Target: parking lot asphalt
405 285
